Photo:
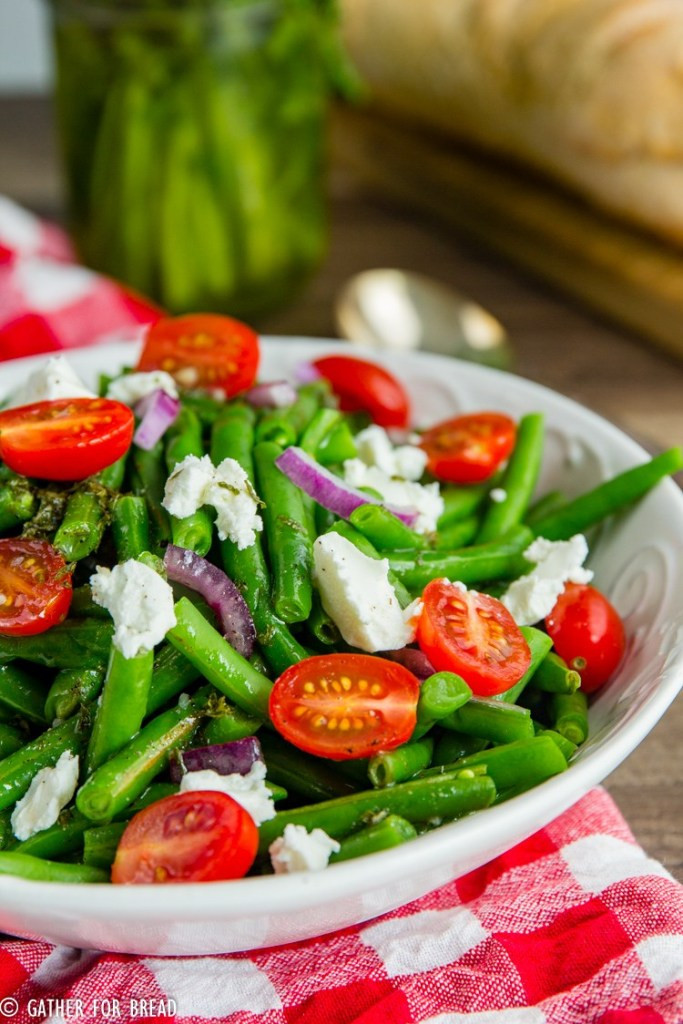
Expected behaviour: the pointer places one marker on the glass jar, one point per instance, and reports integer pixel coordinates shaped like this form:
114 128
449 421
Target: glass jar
193 142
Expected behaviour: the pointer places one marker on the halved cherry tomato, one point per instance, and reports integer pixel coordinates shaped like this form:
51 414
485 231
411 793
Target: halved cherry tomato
588 633
468 449
198 836
203 350
66 439
365 387
474 635
35 586
345 705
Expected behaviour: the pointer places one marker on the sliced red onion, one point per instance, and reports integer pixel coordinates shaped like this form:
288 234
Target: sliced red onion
412 659
157 410
306 373
275 395
219 592
235 758
329 490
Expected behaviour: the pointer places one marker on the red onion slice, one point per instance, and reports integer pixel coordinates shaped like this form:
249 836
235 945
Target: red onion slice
235 758
276 394
306 373
329 490
414 660
157 410
219 592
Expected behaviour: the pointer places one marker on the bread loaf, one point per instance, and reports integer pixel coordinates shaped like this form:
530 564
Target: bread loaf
590 91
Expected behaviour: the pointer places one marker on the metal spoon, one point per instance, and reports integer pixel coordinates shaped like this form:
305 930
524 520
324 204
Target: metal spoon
400 310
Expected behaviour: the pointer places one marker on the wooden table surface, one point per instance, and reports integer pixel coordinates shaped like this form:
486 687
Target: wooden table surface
556 344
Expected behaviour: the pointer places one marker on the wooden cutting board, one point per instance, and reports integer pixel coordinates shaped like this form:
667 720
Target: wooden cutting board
620 272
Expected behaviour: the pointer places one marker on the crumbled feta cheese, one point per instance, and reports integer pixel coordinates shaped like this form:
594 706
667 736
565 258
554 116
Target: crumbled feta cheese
299 850
425 499
139 601
56 378
50 791
356 593
249 790
131 387
195 482
498 494
530 598
375 449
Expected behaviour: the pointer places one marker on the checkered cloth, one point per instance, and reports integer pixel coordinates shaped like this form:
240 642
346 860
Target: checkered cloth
574 926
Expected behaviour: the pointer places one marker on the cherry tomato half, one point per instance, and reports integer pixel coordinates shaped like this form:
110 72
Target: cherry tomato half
345 705
200 836
203 350
365 387
467 449
474 635
35 586
66 439
588 633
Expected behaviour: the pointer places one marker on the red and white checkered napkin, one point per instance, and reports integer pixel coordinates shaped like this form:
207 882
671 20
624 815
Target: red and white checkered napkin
574 926
47 302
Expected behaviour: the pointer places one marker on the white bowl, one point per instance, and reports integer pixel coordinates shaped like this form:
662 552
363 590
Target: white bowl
638 563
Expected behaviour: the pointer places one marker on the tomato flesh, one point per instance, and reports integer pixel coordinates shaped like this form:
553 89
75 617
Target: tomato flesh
203 350
343 706
468 449
362 386
473 635
588 633
65 439
35 587
199 836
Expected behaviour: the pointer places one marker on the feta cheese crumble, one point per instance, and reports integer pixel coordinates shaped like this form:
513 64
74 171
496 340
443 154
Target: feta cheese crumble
498 494
425 499
56 378
299 850
130 388
49 792
249 790
530 598
196 481
356 593
139 601
375 449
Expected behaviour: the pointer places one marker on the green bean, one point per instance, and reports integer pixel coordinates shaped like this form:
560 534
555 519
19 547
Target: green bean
24 866
545 506
566 746
83 606
383 835
569 715
392 766
130 526
521 763
317 430
75 643
491 720
100 843
518 480
461 502
18 769
320 625
208 409
284 426
172 673
447 796
11 739
338 445
229 724
356 538
609 497
440 695
124 777
112 476
149 481
311 778
539 646
60 839
384 530
450 746
23 694
85 518
457 534
49 514
498 559
553 675
121 707
323 519
6 833
18 503
183 438
289 542
218 662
